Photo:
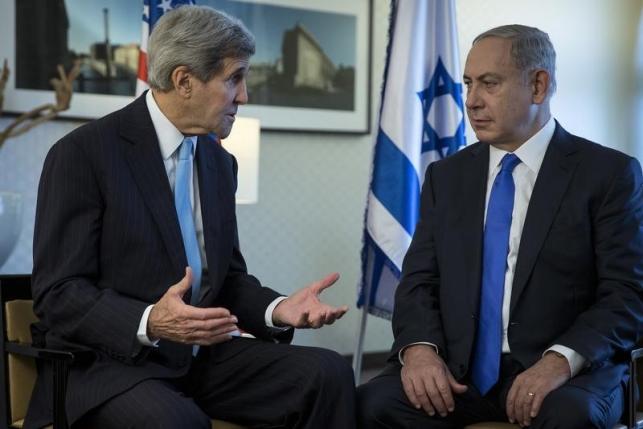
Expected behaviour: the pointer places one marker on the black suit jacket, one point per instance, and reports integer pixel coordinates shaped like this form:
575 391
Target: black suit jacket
579 274
107 244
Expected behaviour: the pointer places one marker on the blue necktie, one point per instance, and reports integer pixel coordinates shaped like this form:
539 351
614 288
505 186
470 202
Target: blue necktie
486 361
186 215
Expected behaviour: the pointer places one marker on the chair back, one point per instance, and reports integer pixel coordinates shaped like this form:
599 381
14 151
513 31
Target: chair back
18 374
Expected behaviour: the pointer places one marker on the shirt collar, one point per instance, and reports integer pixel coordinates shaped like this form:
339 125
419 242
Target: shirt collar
170 138
531 152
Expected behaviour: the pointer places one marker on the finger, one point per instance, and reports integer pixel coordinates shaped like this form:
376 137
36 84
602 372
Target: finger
526 408
204 337
324 283
435 396
303 320
511 401
210 325
208 313
535 405
407 385
423 396
183 285
444 389
455 386
522 400
317 319
214 333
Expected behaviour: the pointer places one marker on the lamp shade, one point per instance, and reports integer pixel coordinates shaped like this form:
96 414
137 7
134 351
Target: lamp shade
243 143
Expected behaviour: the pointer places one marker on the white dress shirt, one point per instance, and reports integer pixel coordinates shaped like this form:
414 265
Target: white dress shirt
531 154
170 139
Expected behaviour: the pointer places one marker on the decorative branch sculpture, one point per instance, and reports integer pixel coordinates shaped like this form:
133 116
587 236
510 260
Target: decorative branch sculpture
28 120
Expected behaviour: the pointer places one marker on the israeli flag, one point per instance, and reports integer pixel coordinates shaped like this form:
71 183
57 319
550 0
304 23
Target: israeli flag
421 121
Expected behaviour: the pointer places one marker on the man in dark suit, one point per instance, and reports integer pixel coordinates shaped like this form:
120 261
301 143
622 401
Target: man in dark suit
521 290
125 204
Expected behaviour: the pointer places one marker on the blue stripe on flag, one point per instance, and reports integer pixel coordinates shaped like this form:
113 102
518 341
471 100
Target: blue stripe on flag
395 182
379 262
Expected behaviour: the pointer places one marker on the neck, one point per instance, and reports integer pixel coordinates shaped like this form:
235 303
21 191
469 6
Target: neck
539 120
172 107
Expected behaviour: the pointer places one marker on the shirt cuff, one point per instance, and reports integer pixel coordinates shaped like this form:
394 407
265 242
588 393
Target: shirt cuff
401 352
574 359
268 315
141 334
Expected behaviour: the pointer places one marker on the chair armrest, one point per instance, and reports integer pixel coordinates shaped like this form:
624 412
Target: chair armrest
61 362
636 354
25 349
631 421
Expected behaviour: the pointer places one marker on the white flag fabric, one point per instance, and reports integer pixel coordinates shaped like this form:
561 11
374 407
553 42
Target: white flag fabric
421 120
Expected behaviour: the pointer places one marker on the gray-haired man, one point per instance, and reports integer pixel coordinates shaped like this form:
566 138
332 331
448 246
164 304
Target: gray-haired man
521 290
137 263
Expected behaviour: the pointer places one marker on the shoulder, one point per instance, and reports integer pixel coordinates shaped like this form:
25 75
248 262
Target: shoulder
455 163
595 159
98 134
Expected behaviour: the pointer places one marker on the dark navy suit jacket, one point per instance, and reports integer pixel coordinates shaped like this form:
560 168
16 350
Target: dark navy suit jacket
107 244
579 274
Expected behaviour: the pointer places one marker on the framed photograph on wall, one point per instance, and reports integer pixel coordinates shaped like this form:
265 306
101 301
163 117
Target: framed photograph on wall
310 72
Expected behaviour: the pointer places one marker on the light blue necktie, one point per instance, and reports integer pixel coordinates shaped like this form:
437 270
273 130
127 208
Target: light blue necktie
186 218
486 360
186 215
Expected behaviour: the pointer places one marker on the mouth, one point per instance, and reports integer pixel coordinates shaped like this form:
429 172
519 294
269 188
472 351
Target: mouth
480 123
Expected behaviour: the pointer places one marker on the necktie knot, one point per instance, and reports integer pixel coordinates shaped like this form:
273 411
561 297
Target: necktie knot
509 162
185 150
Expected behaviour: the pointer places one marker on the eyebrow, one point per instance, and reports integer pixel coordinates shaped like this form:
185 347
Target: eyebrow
483 76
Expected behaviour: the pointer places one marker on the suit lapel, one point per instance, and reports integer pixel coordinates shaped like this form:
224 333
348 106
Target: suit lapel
473 200
550 187
146 163
209 189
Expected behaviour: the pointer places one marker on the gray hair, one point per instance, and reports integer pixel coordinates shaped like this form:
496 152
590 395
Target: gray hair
197 37
531 49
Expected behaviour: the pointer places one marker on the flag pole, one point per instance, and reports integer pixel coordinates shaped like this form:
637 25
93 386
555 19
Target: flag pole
361 333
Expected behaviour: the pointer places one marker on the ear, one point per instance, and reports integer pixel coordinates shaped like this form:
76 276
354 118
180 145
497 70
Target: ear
182 80
540 86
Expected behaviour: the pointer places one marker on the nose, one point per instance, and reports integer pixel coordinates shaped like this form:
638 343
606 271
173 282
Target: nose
473 99
242 93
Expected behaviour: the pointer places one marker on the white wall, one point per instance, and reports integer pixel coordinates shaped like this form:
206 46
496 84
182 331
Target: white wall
313 187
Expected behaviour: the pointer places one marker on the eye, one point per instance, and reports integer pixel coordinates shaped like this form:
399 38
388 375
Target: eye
490 84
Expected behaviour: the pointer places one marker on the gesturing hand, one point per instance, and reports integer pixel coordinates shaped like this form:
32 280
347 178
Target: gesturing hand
173 320
530 387
427 381
303 309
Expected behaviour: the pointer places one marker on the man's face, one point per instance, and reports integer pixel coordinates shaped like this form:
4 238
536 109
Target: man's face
214 104
500 103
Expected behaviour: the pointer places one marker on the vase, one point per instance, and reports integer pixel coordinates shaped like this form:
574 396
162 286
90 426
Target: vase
10 223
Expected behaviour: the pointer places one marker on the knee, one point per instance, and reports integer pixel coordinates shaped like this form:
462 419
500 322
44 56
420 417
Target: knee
178 418
330 370
372 406
571 408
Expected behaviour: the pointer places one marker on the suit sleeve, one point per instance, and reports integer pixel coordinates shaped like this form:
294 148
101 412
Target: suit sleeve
613 323
66 270
416 315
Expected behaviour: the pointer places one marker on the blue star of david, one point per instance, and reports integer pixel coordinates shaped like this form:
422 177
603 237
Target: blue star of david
441 84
